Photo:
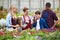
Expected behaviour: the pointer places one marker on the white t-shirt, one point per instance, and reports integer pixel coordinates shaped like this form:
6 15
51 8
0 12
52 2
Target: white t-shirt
38 25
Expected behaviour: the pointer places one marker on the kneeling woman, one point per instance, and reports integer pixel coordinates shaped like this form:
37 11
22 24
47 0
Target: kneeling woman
39 23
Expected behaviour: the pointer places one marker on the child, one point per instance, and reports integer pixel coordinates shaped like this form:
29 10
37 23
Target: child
39 23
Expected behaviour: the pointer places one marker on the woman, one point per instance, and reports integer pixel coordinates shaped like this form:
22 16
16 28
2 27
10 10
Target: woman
11 19
26 19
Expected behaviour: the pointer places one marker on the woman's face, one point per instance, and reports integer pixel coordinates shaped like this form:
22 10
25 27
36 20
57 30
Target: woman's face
14 9
26 12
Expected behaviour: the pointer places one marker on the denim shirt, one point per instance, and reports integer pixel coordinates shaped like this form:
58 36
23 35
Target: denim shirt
8 20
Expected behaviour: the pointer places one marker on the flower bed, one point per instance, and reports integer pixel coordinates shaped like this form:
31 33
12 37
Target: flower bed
30 35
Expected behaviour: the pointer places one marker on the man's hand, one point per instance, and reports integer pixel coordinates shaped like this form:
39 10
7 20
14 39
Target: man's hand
54 24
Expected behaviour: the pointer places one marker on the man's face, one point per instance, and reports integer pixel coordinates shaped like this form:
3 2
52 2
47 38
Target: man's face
47 8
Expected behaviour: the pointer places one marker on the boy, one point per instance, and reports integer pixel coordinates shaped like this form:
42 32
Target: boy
39 23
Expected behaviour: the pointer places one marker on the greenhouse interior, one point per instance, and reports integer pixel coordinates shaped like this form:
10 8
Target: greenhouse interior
29 19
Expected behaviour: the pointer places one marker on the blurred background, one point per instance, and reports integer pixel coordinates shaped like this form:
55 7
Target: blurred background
33 5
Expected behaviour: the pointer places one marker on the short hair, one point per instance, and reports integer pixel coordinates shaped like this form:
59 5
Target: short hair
48 4
38 12
24 9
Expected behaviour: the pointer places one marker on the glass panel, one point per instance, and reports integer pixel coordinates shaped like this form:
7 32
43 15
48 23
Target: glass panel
5 4
24 3
0 2
14 2
35 9
51 1
35 3
56 3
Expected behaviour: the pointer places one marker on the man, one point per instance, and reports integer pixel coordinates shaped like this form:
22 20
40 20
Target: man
49 16
39 22
9 19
